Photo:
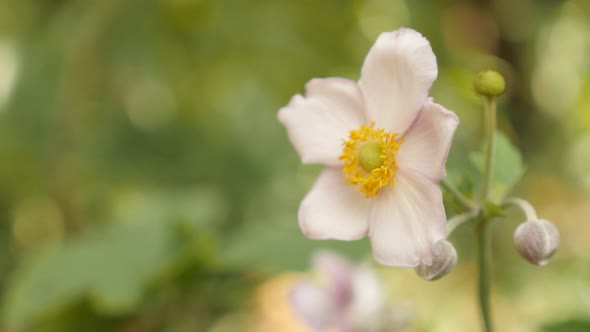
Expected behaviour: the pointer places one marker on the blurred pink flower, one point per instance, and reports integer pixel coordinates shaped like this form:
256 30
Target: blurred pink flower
385 137
345 297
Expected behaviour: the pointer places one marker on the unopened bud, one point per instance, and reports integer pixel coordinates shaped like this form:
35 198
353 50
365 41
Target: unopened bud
443 262
489 83
536 241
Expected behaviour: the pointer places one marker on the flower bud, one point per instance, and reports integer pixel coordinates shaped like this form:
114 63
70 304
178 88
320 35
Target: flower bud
489 83
536 241
443 262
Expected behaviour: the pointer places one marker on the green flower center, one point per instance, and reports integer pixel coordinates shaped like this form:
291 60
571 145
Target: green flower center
369 156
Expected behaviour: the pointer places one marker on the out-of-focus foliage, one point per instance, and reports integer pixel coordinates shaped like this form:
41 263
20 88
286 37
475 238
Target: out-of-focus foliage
145 184
508 166
569 326
114 266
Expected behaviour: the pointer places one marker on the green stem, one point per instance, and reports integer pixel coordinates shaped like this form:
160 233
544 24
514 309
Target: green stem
481 229
465 202
461 219
526 207
490 131
481 234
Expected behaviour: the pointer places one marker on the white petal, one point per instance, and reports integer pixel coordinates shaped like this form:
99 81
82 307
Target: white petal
407 220
427 142
313 305
369 295
333 209
396 76
318 123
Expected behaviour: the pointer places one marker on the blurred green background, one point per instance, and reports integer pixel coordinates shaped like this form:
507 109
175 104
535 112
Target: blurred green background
146 185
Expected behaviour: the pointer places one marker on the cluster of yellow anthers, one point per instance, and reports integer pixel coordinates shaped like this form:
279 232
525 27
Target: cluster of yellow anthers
368 157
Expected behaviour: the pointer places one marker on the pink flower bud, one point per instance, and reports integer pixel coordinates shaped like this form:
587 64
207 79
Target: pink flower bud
443 262
536 241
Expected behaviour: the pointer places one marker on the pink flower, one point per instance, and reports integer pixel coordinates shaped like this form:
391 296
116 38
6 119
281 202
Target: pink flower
346 297
384 143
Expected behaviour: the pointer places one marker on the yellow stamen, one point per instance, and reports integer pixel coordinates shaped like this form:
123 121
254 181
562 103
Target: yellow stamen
368 157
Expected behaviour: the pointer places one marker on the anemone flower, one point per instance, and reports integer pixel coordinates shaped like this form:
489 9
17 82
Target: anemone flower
345 297
384 143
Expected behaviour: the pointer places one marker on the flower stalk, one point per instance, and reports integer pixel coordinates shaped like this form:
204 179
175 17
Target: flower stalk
526 207
489 84
481 229
461 219
490 131
482 237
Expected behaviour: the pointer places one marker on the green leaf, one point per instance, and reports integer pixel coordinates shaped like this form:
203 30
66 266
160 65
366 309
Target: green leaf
463 182
508 168
575 325
462 175
112 267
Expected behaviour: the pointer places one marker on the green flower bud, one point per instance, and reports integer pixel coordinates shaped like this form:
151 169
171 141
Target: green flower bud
536 241
489 83
443 262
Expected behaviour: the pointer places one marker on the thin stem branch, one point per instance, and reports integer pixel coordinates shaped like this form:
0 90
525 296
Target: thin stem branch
465 202
461 219
490 130
526 207
481 234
